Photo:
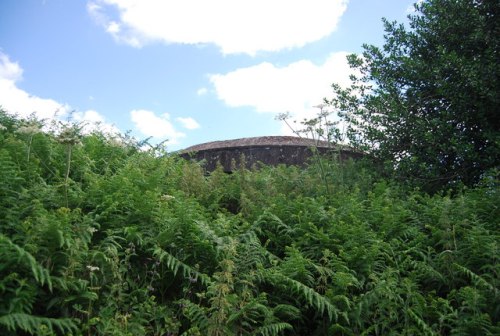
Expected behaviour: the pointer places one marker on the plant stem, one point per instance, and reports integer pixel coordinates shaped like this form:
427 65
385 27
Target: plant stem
29 148
66 177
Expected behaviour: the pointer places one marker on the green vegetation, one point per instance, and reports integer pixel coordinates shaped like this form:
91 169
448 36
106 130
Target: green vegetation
99 237
426 102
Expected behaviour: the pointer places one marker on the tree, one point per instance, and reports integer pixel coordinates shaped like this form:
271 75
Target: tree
426 103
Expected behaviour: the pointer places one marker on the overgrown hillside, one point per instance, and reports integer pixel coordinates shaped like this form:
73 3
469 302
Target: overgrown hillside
100 238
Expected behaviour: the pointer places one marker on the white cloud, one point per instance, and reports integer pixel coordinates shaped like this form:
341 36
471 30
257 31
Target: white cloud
17 101
234 26
189 123
296 88
10 70
90 116
202 91
93 120
149 124
113 28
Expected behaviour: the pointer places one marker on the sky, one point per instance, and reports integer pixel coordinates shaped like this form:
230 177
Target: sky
185 71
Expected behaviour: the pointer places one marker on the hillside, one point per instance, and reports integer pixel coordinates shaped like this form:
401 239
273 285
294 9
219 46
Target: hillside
100 238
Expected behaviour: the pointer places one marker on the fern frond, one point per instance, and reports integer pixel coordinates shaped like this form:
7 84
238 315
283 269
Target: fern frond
250 238
312 298
251 254
272 329
477 279
175 265
20 255
31 324
196 314
209 233
251 309
286 312
427 271
421 323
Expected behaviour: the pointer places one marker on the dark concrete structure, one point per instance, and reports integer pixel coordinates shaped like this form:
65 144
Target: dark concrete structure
269 150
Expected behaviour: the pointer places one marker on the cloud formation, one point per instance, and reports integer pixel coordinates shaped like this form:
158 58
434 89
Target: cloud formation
93 120
160 127
234 26
202 91
17 101
9 70
189 123
296 88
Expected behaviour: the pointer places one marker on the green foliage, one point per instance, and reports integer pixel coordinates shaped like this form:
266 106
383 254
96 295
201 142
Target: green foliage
34 325
272 329
15 256
310 296
131 242
425 103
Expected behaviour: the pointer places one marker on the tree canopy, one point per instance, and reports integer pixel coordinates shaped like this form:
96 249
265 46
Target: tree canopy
426 102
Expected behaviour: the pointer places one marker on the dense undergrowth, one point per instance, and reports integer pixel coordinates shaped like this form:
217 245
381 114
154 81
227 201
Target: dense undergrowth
100 238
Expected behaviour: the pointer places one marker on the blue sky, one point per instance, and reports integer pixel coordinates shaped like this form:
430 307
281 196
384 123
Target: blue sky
189 71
